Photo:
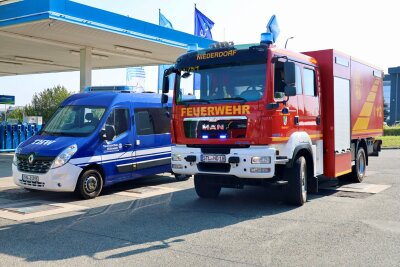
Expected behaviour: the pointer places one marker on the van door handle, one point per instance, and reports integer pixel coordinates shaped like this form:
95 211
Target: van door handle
127 145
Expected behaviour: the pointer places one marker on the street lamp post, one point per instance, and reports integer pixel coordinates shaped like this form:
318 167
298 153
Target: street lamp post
288 40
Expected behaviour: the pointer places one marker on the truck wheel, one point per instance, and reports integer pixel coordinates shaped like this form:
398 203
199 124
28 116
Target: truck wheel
205 189
358 171
181 177
297 187
90 184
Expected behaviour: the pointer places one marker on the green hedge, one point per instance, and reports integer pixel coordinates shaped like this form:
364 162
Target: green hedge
391 131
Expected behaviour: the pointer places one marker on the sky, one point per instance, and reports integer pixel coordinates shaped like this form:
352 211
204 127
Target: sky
363 29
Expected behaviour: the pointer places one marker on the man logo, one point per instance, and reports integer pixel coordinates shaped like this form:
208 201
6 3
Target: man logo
31 159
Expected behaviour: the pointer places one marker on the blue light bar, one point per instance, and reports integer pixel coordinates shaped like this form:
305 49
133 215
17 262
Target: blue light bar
267 38
222 136
204 136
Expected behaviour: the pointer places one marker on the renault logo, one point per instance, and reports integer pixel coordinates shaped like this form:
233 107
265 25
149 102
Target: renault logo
31 158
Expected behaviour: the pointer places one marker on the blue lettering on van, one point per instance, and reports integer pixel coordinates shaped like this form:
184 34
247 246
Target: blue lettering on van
112 148
43 142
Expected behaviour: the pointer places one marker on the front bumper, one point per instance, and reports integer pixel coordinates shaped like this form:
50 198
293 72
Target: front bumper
190 162
62 179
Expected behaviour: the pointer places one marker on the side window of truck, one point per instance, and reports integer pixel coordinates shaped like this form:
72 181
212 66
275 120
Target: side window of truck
151 121
119 118
309 82
299 86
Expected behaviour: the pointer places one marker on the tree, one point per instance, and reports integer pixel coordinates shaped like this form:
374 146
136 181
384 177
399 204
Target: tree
17 113
46 102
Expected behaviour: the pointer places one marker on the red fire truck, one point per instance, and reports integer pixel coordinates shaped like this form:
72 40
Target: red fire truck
264 115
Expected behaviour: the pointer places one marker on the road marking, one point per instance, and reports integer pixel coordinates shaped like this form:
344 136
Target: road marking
20 211
358 188
148 191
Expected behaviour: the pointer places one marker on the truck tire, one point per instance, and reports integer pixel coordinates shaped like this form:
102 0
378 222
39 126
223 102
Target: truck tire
358 171
296 193
181 177
89 184
205 189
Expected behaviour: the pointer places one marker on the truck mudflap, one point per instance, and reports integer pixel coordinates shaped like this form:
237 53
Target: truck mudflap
256 162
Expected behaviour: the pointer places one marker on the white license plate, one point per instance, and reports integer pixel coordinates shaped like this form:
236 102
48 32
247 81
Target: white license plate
213 158
30 178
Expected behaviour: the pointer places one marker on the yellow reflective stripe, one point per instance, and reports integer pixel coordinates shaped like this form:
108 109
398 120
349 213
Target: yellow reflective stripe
371 97
369 131
361 124
366 110
342 173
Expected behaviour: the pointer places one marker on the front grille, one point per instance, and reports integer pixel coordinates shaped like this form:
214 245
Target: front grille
39 164
214 167
37 184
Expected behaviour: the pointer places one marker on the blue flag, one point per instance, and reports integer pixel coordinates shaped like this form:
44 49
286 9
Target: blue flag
202 25
162 21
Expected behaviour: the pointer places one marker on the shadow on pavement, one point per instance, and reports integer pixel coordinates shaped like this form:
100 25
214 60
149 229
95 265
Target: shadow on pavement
137 226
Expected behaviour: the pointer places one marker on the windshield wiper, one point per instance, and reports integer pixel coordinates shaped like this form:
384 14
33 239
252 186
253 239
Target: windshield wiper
193 101
236 98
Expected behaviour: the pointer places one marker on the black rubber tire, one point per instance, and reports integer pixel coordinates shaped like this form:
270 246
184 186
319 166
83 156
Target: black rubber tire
358 171
181 177
296 193
90 184
204 189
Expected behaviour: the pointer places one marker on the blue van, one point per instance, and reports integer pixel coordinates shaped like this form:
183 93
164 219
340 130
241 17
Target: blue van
96 139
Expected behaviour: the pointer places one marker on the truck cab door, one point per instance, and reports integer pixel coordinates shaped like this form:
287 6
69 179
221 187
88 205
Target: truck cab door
310 120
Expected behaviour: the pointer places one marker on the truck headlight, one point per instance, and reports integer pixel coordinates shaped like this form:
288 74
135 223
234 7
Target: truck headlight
64 156
176 157
261 160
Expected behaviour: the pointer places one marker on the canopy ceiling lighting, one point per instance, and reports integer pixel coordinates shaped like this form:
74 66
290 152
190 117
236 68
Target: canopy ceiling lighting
132 50
5 2
97 56
10 62
33 60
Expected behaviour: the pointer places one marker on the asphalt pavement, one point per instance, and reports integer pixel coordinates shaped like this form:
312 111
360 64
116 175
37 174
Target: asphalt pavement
250 227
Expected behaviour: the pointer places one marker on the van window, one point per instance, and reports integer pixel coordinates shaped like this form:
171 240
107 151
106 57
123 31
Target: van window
74 121
309 82
151 121
119 118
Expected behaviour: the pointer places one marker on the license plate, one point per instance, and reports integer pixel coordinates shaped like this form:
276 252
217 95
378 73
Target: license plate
30 178
213 158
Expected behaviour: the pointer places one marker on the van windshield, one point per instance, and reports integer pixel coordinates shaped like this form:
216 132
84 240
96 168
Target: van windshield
74 121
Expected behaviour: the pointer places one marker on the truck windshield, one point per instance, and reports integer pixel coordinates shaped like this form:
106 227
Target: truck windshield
74 121
240 83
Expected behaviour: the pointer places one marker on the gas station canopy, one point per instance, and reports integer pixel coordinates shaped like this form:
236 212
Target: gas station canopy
42 36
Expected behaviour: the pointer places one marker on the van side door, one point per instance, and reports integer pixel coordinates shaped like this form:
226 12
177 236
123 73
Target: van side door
117 158
153 141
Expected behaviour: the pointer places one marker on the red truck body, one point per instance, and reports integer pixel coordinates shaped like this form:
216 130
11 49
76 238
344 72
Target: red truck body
323 120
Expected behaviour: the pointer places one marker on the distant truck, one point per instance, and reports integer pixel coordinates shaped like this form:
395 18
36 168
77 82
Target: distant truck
96 139
265 115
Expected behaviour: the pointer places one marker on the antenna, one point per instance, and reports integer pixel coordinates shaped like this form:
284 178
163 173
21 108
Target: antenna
288 40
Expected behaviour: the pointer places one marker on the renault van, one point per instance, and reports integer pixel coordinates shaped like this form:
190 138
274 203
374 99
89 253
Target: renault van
96 139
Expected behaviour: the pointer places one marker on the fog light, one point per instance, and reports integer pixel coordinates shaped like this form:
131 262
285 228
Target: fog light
261 160
260 170
177 166
176 157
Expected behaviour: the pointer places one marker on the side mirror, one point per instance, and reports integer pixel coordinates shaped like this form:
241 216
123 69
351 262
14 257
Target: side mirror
108 134
164 99
165 84
290 90
290 73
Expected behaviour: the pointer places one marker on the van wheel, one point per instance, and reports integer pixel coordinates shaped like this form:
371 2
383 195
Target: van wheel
181 177
297 188
204 189
90 184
